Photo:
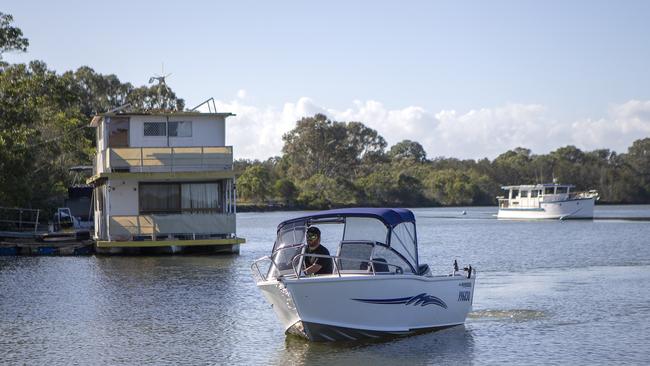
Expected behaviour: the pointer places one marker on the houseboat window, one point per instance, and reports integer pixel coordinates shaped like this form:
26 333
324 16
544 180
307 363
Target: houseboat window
176 197
159 198
515 193
198 197
118 132
525 194
534 193
549 190
561 190
180 129
155 129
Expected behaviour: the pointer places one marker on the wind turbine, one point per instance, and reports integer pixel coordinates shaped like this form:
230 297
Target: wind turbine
161 84
160 78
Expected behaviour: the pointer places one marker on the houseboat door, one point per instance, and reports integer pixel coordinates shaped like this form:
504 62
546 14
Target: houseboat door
118 132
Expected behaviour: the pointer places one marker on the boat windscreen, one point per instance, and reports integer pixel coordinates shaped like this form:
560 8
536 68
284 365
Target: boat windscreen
283 260
290 236
404 241
365 229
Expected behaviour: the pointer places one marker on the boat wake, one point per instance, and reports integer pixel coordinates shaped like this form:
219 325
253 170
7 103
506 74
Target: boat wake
513 314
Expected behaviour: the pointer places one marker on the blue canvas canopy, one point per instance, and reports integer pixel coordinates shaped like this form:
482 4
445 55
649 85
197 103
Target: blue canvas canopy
397 232
389 216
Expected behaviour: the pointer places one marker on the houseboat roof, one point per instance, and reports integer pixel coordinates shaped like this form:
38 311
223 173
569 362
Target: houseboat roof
538 186
98 117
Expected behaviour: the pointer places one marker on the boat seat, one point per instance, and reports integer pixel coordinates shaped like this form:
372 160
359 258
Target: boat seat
380 267
423 269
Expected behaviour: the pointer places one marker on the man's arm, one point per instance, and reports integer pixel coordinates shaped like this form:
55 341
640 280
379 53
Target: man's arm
313 268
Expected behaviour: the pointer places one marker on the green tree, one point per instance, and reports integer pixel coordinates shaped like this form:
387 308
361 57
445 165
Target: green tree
320 191
41 135
455 188
99 93
11 37
513 167
378 188
253 184
286 190
637 170
335 149
408 150
156 98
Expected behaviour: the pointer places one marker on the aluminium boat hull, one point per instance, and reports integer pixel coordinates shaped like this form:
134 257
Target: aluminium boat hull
351 307
582 208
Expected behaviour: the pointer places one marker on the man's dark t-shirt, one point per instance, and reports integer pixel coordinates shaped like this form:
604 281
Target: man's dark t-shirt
325 263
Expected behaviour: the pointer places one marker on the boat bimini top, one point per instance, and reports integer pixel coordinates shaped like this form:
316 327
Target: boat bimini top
368 234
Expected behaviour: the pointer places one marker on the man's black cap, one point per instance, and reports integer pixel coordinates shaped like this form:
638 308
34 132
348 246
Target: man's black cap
313 230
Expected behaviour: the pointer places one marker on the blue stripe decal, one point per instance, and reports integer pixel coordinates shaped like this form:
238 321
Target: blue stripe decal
421 299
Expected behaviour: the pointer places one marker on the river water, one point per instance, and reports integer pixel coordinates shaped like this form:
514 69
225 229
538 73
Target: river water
548 292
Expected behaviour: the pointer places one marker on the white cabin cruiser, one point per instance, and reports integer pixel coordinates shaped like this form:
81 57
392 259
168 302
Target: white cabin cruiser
378 286
546 201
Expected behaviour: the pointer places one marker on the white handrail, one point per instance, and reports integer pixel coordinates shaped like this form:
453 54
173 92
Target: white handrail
336 259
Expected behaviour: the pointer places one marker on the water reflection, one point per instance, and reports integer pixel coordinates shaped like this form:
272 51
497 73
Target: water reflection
453 344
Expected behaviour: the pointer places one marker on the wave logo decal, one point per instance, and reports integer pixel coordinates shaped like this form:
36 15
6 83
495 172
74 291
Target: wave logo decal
421 299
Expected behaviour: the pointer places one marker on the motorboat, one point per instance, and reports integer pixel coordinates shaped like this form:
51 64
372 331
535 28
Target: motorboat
378 286
546 201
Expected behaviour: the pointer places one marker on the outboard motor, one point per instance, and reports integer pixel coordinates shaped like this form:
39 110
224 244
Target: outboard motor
469 271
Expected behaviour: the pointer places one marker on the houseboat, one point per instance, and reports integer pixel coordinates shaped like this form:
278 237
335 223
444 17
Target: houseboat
546 201
163 183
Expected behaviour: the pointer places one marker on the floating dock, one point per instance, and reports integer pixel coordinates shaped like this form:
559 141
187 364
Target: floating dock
28 247
197 246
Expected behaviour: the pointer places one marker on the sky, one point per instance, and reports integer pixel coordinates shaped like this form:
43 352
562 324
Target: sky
467 79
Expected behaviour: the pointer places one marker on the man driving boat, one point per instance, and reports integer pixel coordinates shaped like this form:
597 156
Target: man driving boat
316 265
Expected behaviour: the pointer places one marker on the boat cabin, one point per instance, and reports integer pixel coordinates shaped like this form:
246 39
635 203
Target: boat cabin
530 196
364 240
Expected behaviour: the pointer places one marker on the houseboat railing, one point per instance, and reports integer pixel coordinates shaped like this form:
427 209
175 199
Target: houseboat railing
150 227
19 219
167 159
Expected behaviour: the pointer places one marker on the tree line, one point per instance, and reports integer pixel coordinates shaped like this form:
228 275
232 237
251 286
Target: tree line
323 164
326 163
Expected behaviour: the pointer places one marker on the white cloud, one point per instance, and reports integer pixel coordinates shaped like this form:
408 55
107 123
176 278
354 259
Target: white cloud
257 132
241 94
626 122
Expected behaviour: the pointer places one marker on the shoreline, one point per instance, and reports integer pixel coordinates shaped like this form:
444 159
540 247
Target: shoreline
279 207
